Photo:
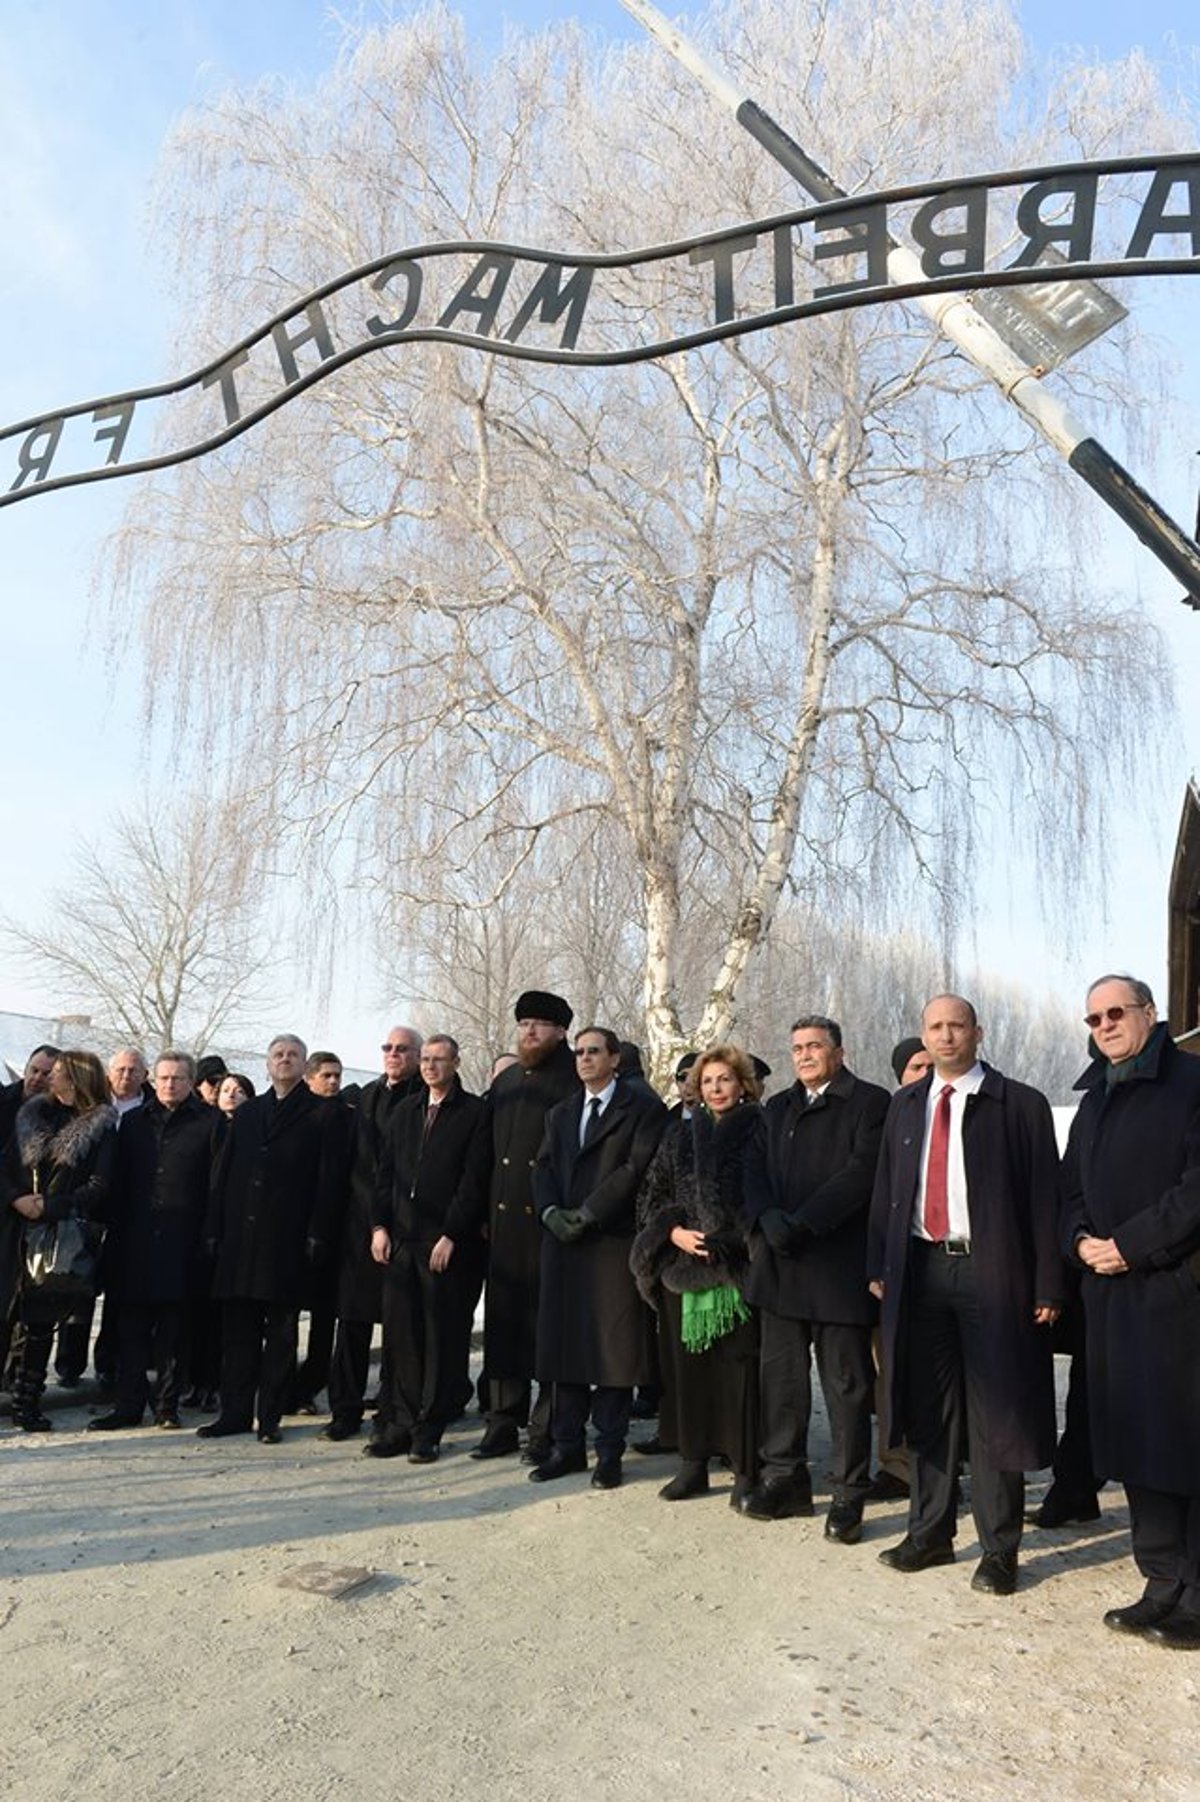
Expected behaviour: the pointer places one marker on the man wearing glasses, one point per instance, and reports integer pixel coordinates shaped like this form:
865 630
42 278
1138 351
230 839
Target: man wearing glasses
1132 1220
360 1286
593 1332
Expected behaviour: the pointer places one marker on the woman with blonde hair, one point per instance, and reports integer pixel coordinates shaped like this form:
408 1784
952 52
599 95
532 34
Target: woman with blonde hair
60 1165
690 1258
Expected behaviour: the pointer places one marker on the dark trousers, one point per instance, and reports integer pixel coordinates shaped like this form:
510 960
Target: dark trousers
349 1368
508 1399
258 1359
609 1409
1166 1543
946 1404
847 1373
1074 1475
149 1337
313 1374
202 1337
424 1326
74 1340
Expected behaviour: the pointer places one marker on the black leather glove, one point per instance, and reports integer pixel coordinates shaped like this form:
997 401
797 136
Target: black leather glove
778 1229
566 1224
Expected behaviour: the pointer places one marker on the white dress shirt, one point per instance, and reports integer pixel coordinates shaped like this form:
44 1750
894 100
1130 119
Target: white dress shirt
956 1170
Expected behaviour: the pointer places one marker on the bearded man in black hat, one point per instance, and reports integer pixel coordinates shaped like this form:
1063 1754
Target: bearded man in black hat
519 1101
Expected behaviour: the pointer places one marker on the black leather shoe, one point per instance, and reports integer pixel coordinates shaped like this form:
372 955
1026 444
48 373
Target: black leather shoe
424 1451
1139 1616
168 1420
843 1523
498 1442
387 1445
341 1429
33 1421
649 1448
559 1464
996 1574
1180 1630
691 1480
221 1428
113 1423
607 1474
537 1451
305 1406
909 1557
1061 1511
782 1498
270 1436
887 1487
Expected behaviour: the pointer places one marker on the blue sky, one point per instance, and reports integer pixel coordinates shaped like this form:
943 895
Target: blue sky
88 90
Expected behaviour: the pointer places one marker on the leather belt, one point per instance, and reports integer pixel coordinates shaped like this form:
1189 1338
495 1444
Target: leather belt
952 1248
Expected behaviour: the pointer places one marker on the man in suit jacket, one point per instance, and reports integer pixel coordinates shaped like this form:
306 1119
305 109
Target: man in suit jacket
359 1287
426 1235
271 1216
593 1332
809 1207
963 1254
1132 1221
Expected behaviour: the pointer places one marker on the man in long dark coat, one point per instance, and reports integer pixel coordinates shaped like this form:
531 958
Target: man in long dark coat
271 1215
518 1103
1131 1219
360 1283
154 1249
963 1254
427 1238
806 1278
593 1329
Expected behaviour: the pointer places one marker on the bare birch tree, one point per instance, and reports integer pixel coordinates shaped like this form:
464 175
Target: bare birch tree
159 935
776 613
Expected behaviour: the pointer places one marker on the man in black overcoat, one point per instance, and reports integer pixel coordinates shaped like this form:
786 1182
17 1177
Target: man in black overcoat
360 1284
427 1237
154 1249
593 1329
518 1103
271 1214
1131 1219
809 1208
963 1253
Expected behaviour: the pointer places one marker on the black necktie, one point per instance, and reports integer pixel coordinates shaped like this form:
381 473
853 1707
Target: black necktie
593 1120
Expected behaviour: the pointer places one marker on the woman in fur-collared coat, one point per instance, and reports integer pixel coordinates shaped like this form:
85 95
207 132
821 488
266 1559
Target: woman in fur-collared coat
690 1259
60 1163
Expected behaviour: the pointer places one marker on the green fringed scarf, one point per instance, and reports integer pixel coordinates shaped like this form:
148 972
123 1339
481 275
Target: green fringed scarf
708 1314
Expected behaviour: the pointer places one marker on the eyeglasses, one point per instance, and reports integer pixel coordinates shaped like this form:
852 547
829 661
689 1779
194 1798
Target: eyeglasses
1112 1014
590 1050
398 1048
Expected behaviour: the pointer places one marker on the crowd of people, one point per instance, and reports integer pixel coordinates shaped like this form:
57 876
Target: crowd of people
926 1249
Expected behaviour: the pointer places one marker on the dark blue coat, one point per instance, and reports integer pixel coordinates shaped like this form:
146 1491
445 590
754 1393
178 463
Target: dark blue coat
1132 1173
819 1169
593 1326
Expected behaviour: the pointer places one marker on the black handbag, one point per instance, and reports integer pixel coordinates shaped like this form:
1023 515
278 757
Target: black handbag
62 1256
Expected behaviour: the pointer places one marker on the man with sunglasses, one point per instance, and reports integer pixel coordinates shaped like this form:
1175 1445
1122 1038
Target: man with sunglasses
1132 1221
360 1284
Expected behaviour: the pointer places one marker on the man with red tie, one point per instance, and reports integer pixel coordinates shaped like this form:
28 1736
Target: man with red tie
963 1256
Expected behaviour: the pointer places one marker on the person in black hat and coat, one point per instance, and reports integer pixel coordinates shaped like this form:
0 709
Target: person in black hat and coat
519 1100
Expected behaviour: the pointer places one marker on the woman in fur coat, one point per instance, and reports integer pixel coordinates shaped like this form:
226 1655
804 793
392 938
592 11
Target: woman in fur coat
689 1260
60 1162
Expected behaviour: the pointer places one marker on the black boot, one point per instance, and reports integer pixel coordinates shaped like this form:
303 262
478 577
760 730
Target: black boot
27 1397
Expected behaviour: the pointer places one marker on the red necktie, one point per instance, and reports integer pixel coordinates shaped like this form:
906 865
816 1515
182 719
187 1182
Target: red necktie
937 1193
